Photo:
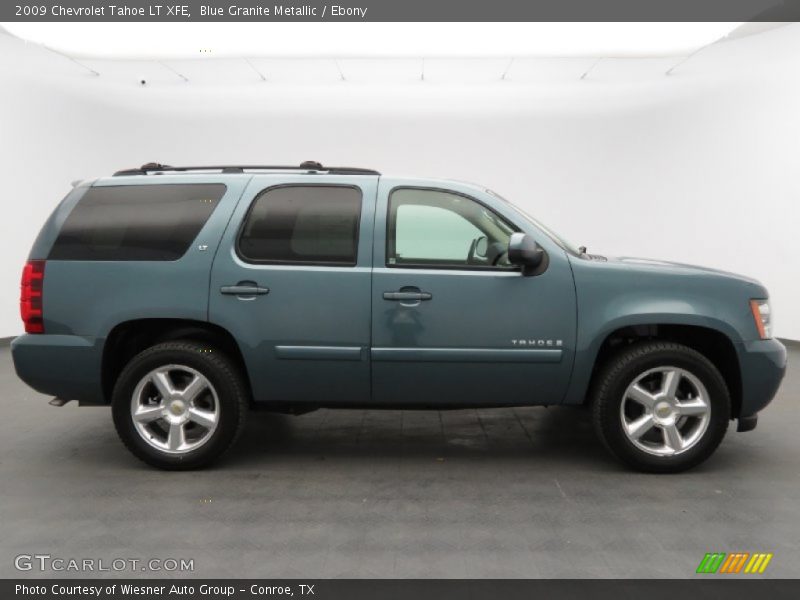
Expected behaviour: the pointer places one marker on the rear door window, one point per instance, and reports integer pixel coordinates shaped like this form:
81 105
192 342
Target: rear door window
136 222
303 224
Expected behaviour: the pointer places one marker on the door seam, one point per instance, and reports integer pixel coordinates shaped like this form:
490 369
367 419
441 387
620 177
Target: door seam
219 245
372 283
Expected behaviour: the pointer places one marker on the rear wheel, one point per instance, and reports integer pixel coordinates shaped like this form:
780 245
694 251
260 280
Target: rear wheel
661 407
179 405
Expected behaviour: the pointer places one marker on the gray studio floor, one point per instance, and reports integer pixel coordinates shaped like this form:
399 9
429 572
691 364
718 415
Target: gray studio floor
488 493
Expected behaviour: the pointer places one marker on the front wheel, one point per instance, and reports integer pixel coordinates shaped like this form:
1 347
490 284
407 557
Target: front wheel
179 405
661 407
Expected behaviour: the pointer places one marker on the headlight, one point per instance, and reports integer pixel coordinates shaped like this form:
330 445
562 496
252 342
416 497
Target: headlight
763 317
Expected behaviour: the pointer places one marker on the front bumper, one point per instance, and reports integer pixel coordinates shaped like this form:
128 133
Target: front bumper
66 366
763 365
747 423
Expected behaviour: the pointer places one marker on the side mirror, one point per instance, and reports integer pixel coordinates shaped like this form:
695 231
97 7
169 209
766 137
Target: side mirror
525 252
482 246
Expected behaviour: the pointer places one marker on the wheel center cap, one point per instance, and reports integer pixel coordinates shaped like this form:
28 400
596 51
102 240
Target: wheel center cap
663 411
177 407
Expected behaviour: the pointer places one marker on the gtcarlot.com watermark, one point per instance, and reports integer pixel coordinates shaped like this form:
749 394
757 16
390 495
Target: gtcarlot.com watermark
48 563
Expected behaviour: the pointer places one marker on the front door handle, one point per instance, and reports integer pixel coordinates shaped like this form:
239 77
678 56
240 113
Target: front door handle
242 289
407 296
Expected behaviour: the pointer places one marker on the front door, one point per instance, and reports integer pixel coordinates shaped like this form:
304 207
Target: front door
291 282
453 322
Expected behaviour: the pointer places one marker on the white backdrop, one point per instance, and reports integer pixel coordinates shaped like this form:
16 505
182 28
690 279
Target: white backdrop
698 167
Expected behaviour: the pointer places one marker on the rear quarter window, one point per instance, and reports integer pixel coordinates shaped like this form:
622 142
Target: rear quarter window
136 222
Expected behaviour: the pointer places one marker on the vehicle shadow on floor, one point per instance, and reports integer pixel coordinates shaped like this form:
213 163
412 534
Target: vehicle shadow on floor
548 439
558 437
545 435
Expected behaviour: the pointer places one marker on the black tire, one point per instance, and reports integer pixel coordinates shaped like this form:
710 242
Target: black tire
219 370
622 369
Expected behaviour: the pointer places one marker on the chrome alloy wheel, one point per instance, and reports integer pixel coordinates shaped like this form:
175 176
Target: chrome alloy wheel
175 409
665 411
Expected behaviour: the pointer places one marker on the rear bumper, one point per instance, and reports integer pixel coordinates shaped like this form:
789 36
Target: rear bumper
67 366
763 365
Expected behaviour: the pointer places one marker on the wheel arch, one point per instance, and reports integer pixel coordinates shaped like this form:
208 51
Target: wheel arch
715 343
129 338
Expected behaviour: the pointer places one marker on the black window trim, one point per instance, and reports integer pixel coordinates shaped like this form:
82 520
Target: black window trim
305 263
142 184
390 220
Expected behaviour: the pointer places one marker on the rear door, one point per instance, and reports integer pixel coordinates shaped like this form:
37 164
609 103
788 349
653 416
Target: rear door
291 282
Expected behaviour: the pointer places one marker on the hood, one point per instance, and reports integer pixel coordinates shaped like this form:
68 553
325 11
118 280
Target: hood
678 267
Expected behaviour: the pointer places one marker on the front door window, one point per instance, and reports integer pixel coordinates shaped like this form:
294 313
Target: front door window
438 229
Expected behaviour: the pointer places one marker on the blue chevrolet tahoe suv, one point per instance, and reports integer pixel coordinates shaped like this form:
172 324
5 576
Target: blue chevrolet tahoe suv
183 297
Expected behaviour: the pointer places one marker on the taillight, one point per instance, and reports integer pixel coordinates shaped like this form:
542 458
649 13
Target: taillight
30 300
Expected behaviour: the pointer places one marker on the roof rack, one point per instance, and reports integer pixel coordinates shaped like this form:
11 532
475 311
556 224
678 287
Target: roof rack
308 166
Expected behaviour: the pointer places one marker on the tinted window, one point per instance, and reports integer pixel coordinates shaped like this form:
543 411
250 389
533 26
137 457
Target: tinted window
303 224
136 222
443 229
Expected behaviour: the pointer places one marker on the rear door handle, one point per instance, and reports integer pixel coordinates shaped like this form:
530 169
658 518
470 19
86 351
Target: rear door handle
407 296
244 290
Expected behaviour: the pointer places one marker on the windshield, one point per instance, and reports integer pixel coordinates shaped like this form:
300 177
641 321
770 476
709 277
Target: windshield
564 244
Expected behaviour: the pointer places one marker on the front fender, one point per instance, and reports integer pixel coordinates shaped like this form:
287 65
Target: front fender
613 295
588 346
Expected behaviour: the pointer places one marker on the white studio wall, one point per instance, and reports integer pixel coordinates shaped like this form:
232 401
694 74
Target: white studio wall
700 166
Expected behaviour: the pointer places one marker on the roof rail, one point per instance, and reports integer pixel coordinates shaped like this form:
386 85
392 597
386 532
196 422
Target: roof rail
308 166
